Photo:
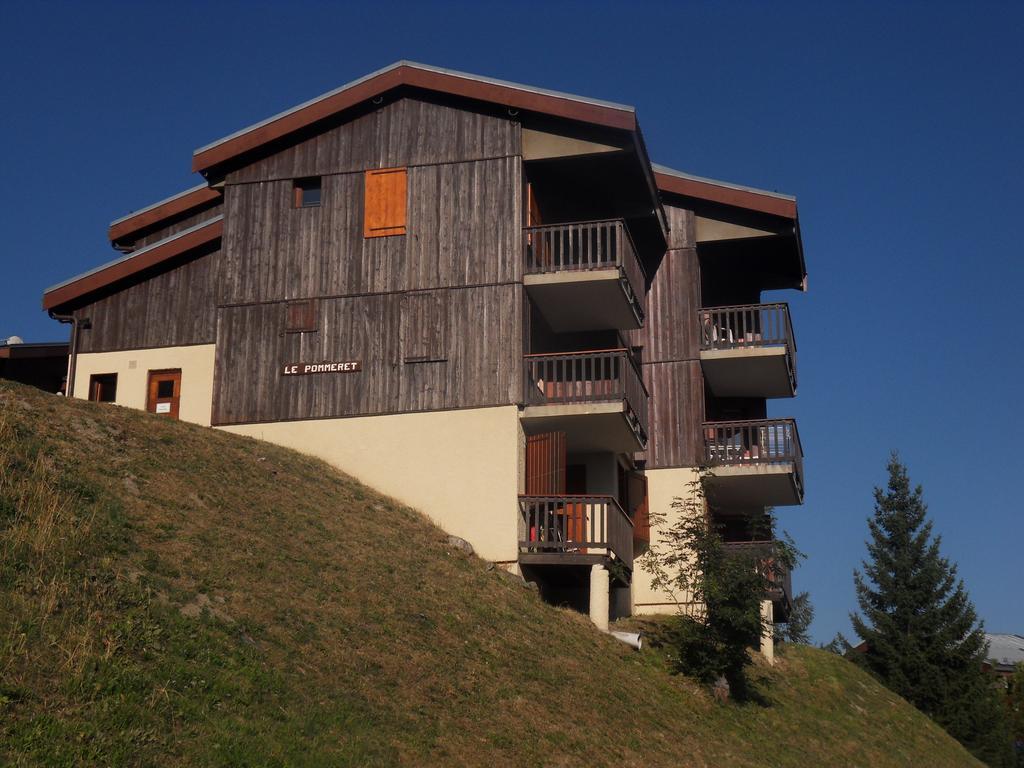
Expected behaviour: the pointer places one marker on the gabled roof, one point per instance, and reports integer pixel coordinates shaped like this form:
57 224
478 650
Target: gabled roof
748 198
408 73
1005 650
197 196
133 263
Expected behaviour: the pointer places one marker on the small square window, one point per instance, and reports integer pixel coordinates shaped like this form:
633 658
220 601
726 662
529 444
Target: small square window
307 192
165 388
300 316
103 387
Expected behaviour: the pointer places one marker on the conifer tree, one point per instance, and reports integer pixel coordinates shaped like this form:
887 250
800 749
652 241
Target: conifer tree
923 638
797 627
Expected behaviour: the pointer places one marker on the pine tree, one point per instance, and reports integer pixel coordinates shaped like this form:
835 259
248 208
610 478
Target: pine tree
923 638
797 627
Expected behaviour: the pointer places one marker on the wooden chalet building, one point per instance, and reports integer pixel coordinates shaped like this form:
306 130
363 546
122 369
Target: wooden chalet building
479 297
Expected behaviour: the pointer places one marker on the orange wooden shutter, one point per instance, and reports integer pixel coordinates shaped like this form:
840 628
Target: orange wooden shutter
545 464
384 207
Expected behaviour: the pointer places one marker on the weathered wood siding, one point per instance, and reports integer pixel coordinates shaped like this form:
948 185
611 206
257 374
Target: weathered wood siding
433 315
676 413
174 307
477 360
410 131
179 225
462 230
671 349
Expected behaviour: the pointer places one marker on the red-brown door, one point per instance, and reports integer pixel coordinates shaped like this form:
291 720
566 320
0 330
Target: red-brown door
576 511
638 510
545 476
164 392
545 464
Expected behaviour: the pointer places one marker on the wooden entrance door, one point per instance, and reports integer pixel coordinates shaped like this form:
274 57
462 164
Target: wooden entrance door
164 392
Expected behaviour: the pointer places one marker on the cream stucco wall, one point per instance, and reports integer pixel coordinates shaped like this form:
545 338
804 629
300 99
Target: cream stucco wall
462 468
663 486
133 366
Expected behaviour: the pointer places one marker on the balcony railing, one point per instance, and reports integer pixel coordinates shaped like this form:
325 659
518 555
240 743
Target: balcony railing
749 325
781 578
746 443
586 245
588 377
582 525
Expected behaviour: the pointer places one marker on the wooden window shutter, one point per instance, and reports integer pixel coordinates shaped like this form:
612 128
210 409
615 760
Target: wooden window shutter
300 316
545 464
425 327
384 207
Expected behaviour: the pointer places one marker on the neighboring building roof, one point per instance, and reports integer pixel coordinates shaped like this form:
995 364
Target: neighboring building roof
1005 651
408 73
199 195
132 263
726 193
34 349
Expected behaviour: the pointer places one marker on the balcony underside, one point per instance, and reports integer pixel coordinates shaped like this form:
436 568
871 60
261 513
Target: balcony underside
754 485
583 300
588 426
597 557
748 372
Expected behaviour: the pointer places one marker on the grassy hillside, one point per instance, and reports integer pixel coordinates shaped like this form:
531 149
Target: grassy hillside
173 595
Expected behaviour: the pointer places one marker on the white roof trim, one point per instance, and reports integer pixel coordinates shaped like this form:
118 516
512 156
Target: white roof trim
133 254
426 68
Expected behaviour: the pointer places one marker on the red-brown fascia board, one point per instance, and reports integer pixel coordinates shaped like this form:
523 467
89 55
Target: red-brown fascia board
133 263
726 194
419 76
154 214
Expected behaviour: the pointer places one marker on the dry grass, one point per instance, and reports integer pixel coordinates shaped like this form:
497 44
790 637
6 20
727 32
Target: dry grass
172 595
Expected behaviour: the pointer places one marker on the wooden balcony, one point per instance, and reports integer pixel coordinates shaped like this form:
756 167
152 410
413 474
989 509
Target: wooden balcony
781 591
585 276
748 350
754 463
597 398
574 530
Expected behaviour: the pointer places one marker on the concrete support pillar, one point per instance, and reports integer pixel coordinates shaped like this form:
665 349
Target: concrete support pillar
599 597
768 639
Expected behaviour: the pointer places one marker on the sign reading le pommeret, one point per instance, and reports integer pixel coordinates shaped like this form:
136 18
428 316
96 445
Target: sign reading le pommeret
302 369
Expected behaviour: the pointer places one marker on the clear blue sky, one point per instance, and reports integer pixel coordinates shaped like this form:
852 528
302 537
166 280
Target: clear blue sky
900 130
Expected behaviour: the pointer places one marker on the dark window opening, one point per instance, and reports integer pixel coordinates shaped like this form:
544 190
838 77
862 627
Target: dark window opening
103 387
300 316
165 388
307 192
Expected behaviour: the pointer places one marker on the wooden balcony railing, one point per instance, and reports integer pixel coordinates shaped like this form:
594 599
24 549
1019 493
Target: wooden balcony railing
765 441
749 325
586 377
781 578
587 245
581 525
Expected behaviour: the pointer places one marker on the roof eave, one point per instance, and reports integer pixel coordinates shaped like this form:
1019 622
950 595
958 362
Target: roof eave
725 193
151 215
63 293
512 95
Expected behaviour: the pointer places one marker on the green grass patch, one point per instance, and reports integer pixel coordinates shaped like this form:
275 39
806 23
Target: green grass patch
177 596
